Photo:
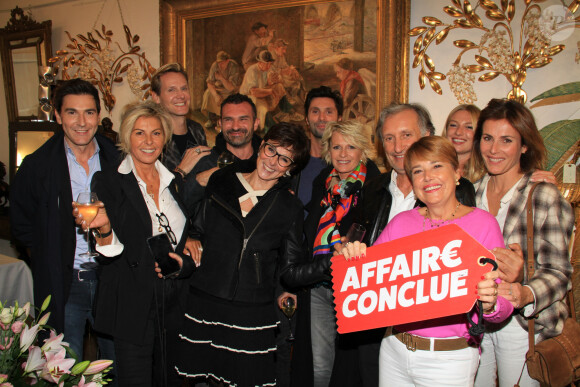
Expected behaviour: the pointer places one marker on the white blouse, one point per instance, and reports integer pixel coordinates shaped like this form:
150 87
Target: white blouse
167 205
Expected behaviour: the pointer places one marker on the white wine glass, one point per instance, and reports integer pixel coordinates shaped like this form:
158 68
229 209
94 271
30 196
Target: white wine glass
226 158
88 208
288 308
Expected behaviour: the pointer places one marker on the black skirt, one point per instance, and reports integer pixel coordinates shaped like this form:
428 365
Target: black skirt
228 341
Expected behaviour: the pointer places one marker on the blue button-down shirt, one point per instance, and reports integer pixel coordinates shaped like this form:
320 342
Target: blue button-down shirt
81 182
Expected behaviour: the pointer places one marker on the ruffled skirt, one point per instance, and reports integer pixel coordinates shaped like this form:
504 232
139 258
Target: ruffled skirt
227 341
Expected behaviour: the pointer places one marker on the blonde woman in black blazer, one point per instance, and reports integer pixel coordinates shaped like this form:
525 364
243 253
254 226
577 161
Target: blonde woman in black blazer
138 201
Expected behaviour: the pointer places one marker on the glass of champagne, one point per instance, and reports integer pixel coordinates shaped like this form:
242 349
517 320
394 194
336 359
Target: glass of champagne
226 158
356 232
288 308
88 208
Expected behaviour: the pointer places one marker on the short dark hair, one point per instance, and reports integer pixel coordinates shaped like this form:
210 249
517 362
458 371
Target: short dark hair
166 68
288 135
237 99
324 92
423 117
433 148
522 120
75 86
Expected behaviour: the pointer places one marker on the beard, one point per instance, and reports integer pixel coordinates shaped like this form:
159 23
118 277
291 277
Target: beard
238 141
314 129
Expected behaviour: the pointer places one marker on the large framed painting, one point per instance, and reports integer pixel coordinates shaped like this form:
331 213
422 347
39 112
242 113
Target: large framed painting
359 47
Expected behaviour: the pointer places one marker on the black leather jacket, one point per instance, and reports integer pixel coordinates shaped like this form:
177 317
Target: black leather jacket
373 213
243 255
317 269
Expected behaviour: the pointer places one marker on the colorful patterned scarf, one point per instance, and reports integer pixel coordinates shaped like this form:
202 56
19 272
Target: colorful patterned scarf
338 201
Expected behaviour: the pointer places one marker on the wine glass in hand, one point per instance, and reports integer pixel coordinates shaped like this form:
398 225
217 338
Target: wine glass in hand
288 308
87 204
356 232
226 158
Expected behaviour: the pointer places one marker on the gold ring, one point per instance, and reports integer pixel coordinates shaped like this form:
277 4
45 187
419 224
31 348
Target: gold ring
495 291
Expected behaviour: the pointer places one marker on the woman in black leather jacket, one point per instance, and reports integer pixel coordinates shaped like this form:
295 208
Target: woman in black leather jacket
335 196
250 227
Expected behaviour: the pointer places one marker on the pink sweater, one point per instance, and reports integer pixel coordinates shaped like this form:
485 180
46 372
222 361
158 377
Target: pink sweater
484 228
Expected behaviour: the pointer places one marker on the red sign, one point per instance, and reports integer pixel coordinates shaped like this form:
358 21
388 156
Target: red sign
420 277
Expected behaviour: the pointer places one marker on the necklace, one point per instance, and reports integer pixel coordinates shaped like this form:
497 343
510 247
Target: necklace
441 222
150 192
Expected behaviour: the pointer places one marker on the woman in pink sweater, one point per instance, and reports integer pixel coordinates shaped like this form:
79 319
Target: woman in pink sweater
445 352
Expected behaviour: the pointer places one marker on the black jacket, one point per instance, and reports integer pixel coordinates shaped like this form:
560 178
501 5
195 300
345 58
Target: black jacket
242 256
189 189
318 269
171 156
374 212
126 294
314 270
41 218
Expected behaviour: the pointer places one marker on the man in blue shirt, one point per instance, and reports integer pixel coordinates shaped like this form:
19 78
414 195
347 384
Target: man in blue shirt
41 197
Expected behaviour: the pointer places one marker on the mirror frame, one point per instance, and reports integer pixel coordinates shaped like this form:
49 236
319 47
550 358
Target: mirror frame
19 29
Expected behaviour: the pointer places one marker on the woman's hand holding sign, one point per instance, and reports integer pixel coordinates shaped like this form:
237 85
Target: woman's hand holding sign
354 250
487 291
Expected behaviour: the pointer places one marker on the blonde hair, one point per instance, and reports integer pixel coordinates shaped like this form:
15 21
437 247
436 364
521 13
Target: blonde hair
354 133
161 71
137 110
470 172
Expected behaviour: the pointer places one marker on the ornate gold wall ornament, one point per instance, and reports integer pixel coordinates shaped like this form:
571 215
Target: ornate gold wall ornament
95 59
497 53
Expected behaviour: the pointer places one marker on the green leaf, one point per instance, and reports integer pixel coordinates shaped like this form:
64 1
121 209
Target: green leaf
45 303
559 137
565 89
79 368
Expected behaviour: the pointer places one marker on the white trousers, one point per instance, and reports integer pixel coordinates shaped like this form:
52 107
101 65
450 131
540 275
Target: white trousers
504 349
399 367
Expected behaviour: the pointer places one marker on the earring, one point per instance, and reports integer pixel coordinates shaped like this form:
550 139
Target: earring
457 182
287 174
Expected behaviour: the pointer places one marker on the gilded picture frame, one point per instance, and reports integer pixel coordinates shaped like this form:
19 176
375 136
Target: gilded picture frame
183 23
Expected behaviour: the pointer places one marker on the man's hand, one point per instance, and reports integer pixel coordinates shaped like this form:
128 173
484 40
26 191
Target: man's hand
543 176
510 263
203 177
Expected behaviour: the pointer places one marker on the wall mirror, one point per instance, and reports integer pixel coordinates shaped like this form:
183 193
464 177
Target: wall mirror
24 46
25 138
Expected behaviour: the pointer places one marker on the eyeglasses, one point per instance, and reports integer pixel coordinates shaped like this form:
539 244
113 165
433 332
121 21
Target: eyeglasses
270 151
164 222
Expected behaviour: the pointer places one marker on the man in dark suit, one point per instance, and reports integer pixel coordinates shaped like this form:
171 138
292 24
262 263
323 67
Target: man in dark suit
41 218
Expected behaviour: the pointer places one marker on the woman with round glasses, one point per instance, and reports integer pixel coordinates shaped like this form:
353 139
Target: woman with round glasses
250 228
138 201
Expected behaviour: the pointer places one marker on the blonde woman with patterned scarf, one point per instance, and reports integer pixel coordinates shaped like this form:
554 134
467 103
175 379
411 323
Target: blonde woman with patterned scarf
336 191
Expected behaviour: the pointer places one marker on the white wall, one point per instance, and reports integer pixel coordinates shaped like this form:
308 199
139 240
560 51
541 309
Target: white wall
563 69
79 17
